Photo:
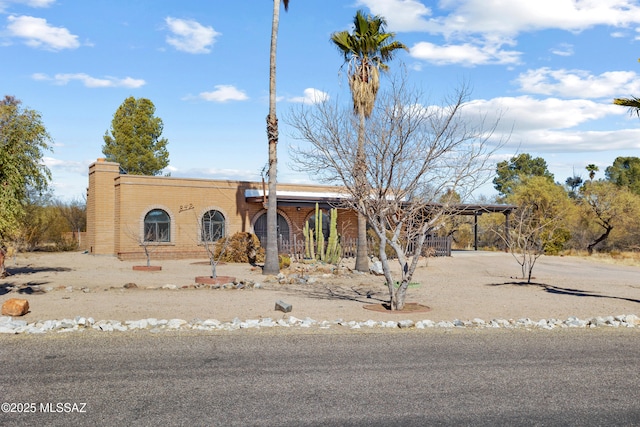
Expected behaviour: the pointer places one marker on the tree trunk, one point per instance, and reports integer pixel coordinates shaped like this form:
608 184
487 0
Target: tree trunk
387 271
362 260
401 294
2 269
603 237
271 265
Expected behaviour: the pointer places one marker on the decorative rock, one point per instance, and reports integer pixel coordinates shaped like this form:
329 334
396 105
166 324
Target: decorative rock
176 323
79 324
15 307
444 324
574 322
425 324
283 306
632 320
376 268
130 286
404 324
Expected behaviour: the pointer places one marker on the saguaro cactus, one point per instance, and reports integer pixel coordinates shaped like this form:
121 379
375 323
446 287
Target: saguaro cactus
319 234
309 245
314 244
334 250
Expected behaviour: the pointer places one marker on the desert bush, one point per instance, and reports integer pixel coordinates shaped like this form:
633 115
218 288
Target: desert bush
284 261
241 247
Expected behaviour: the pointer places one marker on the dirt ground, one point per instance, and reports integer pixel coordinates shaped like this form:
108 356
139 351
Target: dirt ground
465 286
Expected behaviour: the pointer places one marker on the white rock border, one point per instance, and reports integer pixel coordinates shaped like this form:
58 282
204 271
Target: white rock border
9 325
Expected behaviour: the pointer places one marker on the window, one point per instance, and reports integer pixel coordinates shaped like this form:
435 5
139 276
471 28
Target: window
157 226
212 226
260 228
326 223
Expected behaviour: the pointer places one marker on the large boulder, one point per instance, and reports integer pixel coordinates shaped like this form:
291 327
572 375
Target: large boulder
15 307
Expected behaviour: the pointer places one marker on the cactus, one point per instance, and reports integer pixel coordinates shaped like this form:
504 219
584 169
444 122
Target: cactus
307 240
314 244
319 234
309 245
334 250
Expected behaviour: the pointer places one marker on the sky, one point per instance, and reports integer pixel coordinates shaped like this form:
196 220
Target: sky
549 69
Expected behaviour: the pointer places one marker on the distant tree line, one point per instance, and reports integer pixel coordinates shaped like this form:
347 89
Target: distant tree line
590 214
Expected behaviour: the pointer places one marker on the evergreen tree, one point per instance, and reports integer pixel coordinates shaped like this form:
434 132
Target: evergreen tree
135 140
625 172
509 174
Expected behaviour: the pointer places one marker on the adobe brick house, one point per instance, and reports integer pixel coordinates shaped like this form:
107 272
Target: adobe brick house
176 214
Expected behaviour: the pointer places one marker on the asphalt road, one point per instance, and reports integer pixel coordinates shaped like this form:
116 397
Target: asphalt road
268 378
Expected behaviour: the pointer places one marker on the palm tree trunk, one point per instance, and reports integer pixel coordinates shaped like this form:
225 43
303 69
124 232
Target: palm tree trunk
271 265
362 261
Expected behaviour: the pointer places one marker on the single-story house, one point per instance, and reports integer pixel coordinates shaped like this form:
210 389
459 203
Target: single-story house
177 214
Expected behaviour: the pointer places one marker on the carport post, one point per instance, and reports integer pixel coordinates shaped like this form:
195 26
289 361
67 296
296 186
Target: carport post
475 230
506 230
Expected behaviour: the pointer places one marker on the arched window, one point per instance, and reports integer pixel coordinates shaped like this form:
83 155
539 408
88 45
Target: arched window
260 228
326 223
157 226
212 226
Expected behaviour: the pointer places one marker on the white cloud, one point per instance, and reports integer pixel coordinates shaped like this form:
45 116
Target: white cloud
507 17
311 96
552 124
215 173
92 82
71 166
563 49
39 34
579 83
528 113
190 36
224 93
475 31
4 4
464 54
36 3
401 15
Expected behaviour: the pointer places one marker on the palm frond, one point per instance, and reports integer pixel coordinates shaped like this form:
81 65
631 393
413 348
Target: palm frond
632 103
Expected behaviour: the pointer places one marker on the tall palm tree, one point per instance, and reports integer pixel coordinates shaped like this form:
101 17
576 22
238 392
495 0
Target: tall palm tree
366 51
271 265
592 170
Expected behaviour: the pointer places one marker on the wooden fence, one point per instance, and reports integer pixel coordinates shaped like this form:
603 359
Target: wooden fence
433 246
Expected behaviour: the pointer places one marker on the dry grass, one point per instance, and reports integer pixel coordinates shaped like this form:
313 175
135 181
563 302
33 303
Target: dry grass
615 257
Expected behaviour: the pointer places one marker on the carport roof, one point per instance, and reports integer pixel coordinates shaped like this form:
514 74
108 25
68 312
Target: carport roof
327 199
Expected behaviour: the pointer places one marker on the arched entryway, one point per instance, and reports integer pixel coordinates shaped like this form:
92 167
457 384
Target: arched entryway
260 228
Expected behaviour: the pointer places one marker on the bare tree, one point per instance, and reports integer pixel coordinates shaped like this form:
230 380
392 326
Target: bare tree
416 154
214 241
538 225
75 212
149 239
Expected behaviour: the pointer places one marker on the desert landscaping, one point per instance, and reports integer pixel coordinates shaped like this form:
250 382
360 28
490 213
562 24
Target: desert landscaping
468 285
